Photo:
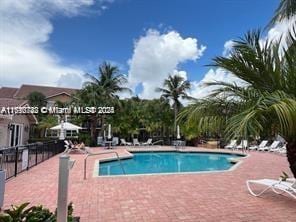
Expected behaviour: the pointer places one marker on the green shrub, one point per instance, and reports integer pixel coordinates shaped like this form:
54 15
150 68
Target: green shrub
33 214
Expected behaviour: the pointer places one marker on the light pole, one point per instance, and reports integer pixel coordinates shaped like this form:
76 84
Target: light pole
65 164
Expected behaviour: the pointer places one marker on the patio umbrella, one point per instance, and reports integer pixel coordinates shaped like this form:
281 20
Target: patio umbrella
66 126
109 131
178 132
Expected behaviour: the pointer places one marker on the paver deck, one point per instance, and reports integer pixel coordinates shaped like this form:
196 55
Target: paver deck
219 196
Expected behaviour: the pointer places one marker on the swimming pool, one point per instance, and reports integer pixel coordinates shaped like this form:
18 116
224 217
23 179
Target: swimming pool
168 162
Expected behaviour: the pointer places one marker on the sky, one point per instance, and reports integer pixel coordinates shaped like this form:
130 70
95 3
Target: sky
54 42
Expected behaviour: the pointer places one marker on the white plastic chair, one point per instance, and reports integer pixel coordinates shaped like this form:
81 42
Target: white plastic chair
261 145
136 142
114 141
124 143
148 143
231 145
272 146
277 186
243 144
281 149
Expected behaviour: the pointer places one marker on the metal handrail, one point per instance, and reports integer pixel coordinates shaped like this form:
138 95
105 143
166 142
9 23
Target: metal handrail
97 154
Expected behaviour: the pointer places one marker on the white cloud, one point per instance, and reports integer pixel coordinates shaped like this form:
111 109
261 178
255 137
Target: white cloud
228 47
156 56
281 29
25 28
199 90
181 73
70 80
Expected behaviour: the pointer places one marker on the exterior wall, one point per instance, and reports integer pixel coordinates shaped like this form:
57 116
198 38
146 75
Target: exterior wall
62 98
5 132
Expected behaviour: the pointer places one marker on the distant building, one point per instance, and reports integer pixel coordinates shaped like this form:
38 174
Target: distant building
52 94
15 129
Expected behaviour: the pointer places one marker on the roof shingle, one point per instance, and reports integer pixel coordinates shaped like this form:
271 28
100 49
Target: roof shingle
9 102
7 92
48 91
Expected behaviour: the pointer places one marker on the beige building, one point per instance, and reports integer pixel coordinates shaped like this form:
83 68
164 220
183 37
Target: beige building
15 129
52 94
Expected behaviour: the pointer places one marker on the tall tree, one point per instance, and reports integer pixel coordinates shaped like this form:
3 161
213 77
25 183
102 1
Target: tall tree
101 91
135 115
285 10
36 99
268 101
175 88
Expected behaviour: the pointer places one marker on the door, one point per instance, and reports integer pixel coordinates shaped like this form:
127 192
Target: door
16 133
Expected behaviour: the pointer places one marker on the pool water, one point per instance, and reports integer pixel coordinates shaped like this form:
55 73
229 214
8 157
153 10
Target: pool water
168 162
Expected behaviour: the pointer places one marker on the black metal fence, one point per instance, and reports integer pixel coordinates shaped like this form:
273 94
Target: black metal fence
15 160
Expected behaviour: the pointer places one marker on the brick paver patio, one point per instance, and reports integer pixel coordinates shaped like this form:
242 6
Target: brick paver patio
189 197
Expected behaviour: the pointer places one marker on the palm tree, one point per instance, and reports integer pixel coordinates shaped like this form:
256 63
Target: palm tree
175 87
36 99
268 101
285 10
102 91
108 83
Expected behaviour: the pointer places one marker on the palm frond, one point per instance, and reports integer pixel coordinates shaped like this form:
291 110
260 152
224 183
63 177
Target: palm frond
285 10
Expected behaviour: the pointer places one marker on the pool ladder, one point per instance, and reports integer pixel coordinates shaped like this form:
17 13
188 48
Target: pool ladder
97 154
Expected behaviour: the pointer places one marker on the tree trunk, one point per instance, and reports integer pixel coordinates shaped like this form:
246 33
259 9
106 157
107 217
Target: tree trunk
102 125
175 119
291 155
93 126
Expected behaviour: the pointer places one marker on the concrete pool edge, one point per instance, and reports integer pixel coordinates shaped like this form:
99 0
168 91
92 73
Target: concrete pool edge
109 159
96 168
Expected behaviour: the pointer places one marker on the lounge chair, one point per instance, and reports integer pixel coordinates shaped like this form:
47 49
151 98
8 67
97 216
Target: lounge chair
70 147
261 145
231 145
124 143
148 143
67 146
281 149
100 141
276 148
277 186
243 144
136 142
274 145
114 141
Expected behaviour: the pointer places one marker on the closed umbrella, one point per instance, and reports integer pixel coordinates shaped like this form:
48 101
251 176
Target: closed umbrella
109 131
178 132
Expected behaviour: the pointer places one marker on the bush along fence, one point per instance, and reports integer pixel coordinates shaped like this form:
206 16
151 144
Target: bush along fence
15 160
